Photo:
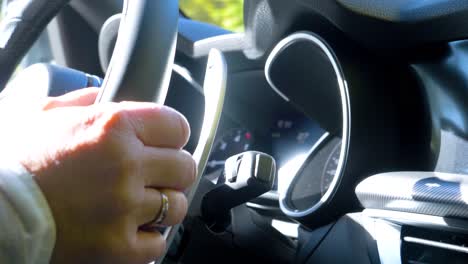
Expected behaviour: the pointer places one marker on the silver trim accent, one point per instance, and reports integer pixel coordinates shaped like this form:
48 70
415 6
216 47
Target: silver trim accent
345 104
214 91
435 244
200 48
420 220
282 45
288 229
271 195
261 207
224 37
396 216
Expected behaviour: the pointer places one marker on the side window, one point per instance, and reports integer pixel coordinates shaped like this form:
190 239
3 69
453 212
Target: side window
227 14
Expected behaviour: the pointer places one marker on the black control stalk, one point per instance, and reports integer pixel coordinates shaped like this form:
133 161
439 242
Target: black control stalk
246 176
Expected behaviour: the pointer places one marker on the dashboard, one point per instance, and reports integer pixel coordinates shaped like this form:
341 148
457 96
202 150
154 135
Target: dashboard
303 119
406 113
301 115
296 104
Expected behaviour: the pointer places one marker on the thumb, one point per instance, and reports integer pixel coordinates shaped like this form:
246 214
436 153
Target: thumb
82 97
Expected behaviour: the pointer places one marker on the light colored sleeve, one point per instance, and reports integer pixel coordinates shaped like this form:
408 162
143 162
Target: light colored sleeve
27 228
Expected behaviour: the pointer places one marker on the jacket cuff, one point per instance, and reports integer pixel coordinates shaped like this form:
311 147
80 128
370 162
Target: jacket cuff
27 227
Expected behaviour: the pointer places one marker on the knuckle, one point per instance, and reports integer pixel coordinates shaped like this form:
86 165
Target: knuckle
113 122
113 136
112 119
103 126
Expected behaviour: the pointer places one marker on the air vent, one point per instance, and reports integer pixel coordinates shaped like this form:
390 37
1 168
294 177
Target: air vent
426 246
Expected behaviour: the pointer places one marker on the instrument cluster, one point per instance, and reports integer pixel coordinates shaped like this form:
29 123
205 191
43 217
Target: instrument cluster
292 139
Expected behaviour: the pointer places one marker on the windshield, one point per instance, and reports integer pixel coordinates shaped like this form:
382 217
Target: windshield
227 14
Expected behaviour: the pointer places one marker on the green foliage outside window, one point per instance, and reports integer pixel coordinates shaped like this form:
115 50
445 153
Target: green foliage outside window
227 14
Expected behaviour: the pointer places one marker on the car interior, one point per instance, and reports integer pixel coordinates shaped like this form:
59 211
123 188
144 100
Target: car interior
342 132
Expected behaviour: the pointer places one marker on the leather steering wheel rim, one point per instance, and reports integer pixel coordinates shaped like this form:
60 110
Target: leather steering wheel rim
140 68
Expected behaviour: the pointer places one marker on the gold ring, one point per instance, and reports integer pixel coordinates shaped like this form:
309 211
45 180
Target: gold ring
159 219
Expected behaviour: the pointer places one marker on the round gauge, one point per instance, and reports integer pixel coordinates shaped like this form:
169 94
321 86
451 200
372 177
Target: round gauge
314 179
233 142
319 192
330 168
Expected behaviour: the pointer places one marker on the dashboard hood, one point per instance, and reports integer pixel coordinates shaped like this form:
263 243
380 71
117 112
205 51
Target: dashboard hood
394 25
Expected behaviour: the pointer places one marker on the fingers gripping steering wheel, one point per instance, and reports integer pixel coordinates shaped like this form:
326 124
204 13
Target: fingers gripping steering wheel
140 67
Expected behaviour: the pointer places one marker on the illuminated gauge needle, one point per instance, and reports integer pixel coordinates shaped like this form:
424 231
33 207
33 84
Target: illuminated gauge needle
215 163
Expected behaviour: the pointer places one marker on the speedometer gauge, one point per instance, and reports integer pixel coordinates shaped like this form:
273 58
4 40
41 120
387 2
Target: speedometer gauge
319 192
316 176
330 168
366 110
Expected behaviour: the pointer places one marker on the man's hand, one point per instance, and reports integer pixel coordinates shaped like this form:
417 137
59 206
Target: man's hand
102 168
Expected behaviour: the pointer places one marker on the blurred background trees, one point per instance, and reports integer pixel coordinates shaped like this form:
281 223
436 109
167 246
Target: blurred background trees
227 14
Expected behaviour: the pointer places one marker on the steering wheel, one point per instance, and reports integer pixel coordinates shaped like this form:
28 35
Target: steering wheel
140 67
144 53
